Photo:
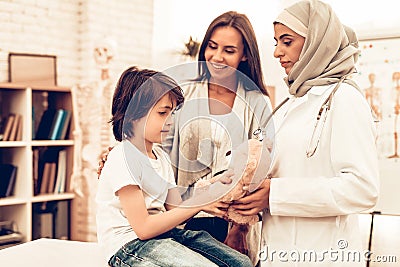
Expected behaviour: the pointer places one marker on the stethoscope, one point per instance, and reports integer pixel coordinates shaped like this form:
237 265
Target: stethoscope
318 126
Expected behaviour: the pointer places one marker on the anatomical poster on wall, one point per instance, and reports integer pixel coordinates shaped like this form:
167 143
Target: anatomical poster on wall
379 78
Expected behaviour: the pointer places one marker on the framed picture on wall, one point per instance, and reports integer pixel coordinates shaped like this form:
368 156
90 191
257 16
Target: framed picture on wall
32 69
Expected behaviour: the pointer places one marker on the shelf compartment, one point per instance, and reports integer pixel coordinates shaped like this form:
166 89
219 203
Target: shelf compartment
18 156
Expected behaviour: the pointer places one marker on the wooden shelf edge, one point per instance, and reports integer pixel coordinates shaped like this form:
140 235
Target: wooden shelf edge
51 197
13 143
53 143
7 85
37 143
8 201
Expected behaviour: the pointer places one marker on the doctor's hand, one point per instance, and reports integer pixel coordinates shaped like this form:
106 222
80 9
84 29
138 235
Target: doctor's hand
255 202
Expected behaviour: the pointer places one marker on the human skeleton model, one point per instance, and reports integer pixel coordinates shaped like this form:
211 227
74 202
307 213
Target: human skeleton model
373 96
104 52
93 101
396 91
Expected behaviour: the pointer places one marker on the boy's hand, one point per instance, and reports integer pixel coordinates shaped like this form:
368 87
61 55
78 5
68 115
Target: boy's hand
217 208
210 195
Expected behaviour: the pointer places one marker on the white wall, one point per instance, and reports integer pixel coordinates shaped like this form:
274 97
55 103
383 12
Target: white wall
129 23
41 27
70 29
176 20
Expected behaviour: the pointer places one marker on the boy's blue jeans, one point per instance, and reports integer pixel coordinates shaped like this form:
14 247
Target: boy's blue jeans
179 248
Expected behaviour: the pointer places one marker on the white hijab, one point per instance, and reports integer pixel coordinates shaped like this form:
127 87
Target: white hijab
330 48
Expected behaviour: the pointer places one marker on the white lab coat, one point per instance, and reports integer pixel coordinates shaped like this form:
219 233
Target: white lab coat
314 201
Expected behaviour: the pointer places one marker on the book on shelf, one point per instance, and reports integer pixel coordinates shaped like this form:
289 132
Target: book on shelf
13 128
60 125
53 124
59 186
44 181
8 175
62 220
49 170
8 125
35 170
45 124
33 123
48 178
18 135
62 131
42 219
52 177
51 219
16 129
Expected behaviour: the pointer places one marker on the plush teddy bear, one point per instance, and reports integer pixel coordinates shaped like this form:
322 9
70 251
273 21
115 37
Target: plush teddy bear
248 168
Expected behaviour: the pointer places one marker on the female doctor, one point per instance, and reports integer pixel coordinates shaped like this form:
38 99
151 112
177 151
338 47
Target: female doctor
325 168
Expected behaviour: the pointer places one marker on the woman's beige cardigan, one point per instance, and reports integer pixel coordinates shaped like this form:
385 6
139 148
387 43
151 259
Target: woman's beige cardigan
189 143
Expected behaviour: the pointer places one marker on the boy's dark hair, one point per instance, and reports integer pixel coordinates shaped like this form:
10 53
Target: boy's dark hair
137 91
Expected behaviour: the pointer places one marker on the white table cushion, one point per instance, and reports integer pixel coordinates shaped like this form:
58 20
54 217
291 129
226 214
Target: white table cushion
53 252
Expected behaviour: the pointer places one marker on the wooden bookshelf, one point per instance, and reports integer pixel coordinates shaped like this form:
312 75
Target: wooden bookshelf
30 102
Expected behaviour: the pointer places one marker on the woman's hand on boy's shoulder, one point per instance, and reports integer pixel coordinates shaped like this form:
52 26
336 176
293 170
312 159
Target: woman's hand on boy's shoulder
103 159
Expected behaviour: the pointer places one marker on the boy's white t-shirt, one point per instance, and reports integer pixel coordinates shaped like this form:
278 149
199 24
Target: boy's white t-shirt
126 165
